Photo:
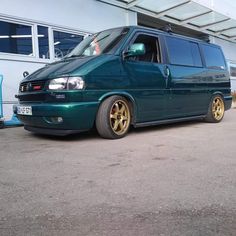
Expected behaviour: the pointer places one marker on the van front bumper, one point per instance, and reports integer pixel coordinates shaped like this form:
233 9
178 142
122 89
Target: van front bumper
59 119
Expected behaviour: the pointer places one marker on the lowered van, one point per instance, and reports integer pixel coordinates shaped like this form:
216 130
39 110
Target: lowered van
126 76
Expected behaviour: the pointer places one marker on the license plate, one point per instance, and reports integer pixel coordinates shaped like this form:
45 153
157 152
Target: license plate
24 110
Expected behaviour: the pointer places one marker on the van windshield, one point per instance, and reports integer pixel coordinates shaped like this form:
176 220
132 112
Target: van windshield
100 43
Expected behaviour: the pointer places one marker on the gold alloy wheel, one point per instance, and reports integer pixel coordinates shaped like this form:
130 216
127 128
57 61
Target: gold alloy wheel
119 117
218 108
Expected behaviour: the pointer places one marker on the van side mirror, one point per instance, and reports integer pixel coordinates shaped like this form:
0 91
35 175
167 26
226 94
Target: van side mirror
136 49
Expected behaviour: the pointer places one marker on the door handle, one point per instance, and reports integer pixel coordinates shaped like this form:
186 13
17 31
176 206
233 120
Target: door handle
166 72
166 75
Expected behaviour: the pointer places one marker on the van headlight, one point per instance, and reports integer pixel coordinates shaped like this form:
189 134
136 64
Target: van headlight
66 83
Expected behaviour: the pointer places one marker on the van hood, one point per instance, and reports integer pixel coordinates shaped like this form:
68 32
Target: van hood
63 67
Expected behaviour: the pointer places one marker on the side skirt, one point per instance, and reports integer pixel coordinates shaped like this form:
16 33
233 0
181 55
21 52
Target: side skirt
168 121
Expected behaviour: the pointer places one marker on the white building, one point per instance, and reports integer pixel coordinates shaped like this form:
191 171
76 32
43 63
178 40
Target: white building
33 33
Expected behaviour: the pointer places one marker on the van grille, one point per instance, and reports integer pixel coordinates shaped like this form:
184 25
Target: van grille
32 86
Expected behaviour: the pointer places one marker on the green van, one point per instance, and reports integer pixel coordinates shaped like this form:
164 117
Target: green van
126 76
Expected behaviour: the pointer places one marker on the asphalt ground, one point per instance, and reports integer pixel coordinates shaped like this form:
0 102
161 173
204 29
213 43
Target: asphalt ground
177 179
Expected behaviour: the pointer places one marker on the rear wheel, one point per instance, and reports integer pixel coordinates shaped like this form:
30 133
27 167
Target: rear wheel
113 118
216 110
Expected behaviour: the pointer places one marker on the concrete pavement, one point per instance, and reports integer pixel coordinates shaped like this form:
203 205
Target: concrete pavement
175 179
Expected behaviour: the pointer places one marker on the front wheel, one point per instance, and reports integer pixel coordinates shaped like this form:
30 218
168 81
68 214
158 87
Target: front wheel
216 110
1 124
113 118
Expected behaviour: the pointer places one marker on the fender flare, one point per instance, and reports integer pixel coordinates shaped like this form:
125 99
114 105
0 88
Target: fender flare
128 96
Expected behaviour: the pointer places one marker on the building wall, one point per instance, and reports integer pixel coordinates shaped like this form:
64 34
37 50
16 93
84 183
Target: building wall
73 15
86 15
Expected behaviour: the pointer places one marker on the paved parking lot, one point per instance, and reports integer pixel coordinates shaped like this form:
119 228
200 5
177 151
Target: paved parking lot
168 180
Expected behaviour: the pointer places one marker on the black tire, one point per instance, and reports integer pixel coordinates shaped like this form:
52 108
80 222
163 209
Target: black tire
113 118
1 124
216 109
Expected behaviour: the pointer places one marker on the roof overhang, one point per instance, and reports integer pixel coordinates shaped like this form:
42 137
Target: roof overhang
187 13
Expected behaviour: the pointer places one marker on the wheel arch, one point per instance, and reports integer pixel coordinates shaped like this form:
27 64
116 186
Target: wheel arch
127 96
217 93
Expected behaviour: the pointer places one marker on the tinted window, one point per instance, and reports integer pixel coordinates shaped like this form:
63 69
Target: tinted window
183 52
197 61
64 43
179 51
43 42
213 57
15 38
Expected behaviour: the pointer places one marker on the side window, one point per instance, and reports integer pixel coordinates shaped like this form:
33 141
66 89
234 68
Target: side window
213 57
197 60
16 38
64 43
152 52
183 52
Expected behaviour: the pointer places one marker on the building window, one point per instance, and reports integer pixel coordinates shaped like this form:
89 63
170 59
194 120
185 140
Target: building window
43 42
16 38
64 43
213 57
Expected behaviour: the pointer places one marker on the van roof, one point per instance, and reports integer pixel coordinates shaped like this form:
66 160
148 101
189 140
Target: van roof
147 29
